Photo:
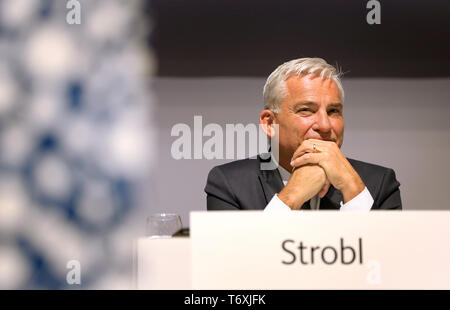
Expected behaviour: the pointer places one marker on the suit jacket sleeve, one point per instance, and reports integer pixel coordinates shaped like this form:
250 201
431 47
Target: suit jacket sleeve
388 196
219 193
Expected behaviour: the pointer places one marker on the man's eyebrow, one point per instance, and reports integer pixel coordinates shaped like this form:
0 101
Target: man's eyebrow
307 103
335 105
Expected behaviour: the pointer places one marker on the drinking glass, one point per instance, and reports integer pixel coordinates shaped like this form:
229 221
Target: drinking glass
163 225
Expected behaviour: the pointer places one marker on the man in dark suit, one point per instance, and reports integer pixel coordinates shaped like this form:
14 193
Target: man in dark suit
303 114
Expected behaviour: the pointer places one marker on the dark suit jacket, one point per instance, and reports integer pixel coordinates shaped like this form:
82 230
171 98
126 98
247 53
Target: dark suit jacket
242 185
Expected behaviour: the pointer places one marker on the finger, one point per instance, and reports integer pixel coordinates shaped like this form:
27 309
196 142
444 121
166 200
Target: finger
305 147
325 145
308 158
321 142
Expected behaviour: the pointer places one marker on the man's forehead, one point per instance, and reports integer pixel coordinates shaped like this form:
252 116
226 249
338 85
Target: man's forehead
312 88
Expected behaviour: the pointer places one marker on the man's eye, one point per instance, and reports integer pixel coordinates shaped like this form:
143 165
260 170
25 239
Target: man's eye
333 111
305 110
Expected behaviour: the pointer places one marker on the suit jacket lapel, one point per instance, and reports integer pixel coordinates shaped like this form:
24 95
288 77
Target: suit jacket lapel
270 181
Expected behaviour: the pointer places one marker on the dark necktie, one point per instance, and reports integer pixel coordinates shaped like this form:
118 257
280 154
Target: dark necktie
306 206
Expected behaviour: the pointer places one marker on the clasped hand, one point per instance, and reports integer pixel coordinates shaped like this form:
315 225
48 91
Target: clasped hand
317 164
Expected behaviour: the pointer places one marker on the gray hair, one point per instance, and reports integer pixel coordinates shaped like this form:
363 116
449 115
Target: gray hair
275 90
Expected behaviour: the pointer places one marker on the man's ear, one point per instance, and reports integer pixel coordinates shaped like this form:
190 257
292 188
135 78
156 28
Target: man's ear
266 120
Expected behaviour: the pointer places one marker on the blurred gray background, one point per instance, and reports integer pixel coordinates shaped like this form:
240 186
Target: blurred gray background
399 123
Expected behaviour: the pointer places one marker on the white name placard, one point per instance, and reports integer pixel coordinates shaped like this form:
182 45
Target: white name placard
163 264
321 250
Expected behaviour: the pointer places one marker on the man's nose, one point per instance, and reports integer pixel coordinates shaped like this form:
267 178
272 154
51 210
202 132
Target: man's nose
323 123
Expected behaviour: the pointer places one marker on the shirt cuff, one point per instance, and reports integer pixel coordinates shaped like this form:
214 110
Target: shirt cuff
361 202
276 205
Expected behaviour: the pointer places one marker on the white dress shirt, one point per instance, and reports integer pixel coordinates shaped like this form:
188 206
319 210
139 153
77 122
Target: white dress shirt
361 202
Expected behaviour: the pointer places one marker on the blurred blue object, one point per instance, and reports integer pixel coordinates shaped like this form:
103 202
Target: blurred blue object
75 142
